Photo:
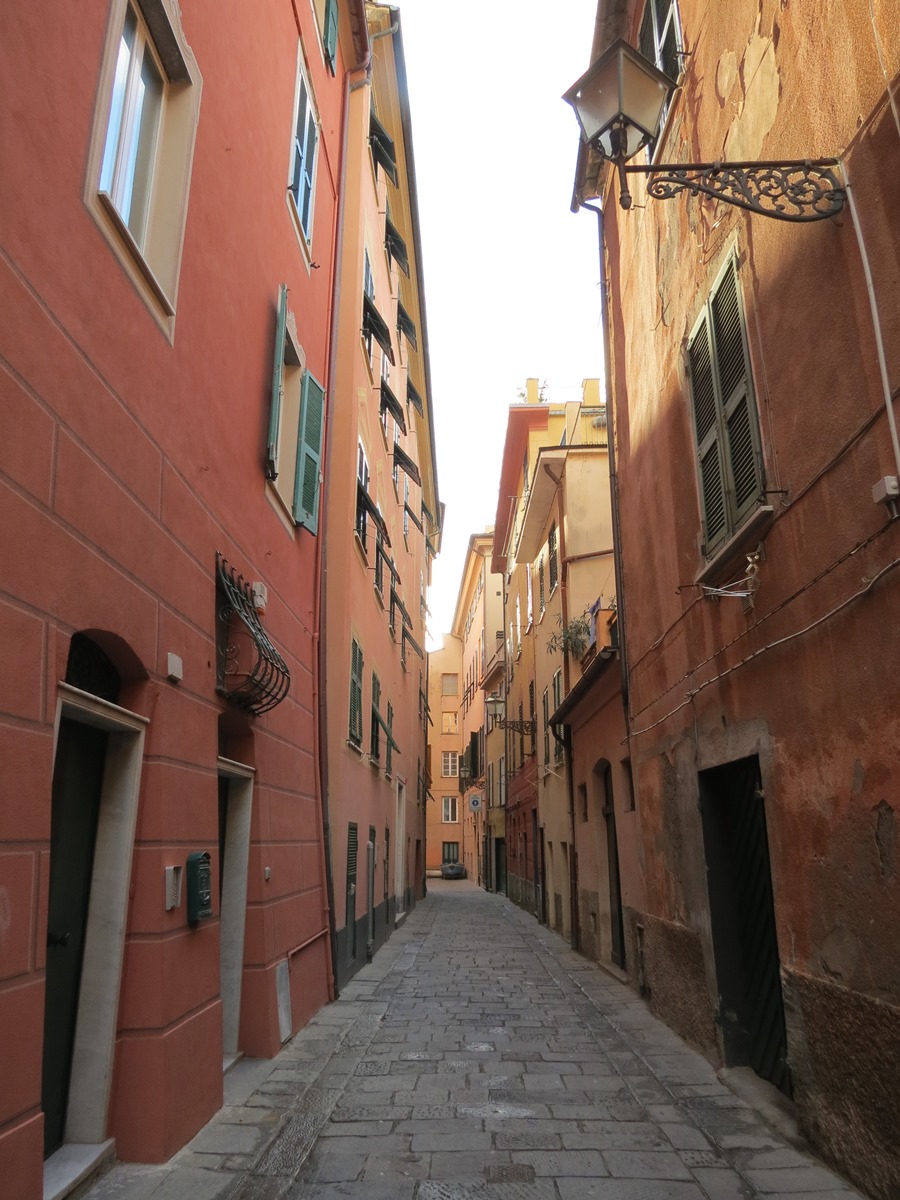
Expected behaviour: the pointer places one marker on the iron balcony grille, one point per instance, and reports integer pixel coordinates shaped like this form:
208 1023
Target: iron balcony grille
250 671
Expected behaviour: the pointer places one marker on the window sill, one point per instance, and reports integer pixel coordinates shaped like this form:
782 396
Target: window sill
361 550
724 561
354 747
379 594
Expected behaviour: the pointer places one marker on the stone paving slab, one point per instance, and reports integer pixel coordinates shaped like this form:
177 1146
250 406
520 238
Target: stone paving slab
508 1069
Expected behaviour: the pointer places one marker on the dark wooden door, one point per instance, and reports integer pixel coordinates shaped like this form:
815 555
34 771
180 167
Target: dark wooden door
77 784
616 919
742 912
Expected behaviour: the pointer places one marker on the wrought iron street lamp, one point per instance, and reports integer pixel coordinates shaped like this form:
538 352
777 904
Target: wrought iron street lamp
619 103
494 705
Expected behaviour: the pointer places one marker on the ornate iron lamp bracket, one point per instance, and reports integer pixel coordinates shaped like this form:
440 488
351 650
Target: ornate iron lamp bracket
527 728
801 190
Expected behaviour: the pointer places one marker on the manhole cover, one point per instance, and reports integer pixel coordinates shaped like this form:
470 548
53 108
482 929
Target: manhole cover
509 1173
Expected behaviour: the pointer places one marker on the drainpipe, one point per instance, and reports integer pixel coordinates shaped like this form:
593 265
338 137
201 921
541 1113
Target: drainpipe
567 734
613 476
320 620
573 863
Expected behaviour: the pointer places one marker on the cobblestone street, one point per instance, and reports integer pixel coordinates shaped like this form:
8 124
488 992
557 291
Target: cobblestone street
478 1056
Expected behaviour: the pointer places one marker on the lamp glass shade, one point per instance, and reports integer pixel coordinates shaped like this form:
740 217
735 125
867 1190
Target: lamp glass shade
619 102
494 706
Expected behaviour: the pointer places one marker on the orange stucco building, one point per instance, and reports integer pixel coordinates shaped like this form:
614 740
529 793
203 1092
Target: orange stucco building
384 521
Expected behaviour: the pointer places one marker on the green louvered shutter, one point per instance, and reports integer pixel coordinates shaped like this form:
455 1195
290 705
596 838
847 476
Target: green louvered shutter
706 431
331 33
736 397
356 678
277 387
309 454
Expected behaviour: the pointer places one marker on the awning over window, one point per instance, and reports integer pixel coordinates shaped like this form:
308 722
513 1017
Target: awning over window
375 324
389 562
414 399
405 463
408 637
387 730
412 516
365 501
382 147
251 673
396 602
396 246
407 325
390 402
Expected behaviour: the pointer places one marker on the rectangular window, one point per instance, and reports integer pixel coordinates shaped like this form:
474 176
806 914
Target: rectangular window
355 733
545 699
303 157
296 425
551 557
451 810
449 764
449 685
726 429
489 785
501 774
521 737
541 585
139 89
450 852
137 183
532 716
659 39
449 722
389 753
362 491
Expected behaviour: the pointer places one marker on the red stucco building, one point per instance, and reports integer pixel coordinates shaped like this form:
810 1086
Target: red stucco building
169 207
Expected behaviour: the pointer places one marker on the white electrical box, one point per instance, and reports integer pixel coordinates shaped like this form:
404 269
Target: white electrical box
173 888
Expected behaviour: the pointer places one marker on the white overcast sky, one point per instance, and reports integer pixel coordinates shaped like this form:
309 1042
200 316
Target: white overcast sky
511 274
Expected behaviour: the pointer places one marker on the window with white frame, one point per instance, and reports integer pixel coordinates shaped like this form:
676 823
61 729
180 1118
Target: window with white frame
451 810
659 40
142 146
449 764
449 722
303 155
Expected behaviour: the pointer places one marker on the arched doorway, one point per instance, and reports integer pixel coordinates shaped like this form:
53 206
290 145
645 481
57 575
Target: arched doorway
96 779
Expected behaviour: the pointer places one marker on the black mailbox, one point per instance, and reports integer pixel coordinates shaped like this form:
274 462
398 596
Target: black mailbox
199 886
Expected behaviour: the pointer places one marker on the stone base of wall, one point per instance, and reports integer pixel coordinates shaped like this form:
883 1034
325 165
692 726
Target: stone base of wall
520 891
844 1051
674 980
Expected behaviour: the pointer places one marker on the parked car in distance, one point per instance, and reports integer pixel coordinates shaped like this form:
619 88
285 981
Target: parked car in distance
453 870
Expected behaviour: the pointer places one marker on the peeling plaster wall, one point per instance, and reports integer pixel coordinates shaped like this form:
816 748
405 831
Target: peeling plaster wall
711 681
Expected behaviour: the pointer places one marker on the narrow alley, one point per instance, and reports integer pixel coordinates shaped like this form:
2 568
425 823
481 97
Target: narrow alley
478 1056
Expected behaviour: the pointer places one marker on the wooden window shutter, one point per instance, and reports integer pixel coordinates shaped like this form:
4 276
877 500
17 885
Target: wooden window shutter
706 430
309 454
375 736
277 386
356 677
736 398
331 33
